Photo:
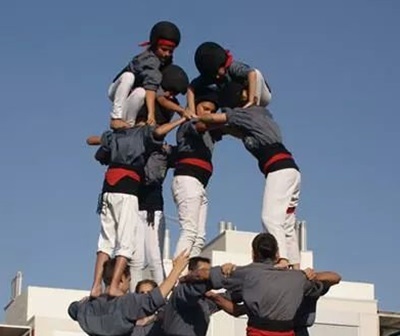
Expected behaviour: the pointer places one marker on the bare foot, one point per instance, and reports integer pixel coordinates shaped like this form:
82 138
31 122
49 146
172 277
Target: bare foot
115 292
96 291
118 124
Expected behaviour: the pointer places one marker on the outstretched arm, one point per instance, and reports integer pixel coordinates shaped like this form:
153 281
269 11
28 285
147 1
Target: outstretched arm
214 118
226 305
252 80
151 106
331 278
93 140
190 99
161 131
170 105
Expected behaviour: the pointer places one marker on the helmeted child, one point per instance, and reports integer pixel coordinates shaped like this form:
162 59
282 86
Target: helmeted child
138 82
261 136
193 170
218 68
151 227
174 82
126 152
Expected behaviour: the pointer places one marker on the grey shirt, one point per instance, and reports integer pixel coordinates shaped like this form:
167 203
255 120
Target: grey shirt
147 70
257 125
237 71
116 316
269 294
188 312
261 136
130 147
189 140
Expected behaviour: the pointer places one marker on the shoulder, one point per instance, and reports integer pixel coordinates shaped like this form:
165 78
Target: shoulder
147 59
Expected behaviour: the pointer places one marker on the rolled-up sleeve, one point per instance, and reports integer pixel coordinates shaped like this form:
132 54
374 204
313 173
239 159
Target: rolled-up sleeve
189 293
151 74
314 289
150 141
239 70
136 306
233 283
237 117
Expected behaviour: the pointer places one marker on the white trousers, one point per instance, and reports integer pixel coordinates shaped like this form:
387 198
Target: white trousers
263 94
126 104
119 217
191 200
282 192
149 242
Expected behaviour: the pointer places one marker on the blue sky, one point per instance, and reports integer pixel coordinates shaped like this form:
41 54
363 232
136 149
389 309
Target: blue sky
334 70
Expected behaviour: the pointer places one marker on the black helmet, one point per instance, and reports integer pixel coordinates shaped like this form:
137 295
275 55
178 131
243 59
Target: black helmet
207 95
209 57
174 79
165 30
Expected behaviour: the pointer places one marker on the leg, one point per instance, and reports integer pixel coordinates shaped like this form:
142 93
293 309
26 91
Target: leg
292 241
106 245
263 91
277 196
153 247
201 229
188 198
137 262
133 105
126 214
97 288
119 92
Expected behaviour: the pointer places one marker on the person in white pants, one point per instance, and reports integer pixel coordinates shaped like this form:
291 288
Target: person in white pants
261 136
125 152
151 227
193 169
217 67
137 84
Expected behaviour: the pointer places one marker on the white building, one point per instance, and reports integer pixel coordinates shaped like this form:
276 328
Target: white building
349 309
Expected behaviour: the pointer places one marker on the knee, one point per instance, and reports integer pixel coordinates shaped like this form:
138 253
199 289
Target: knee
259 75
127 78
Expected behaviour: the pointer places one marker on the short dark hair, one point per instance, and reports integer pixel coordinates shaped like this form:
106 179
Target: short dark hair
108 271
194 262
145 282
264 247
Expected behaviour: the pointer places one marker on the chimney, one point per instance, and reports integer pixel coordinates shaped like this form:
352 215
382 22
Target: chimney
302 235
167 243
16 286
222 226
229 226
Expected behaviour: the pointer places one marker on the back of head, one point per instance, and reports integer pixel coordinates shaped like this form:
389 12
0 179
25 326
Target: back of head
209 57
174 79
265 247
232 95
108 271
165 32
195 262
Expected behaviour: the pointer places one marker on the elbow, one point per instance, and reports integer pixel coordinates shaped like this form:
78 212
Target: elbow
201 127
337 278
158 135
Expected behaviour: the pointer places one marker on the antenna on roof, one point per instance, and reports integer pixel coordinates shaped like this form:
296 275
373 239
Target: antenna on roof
16 286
